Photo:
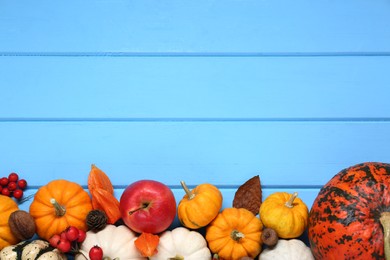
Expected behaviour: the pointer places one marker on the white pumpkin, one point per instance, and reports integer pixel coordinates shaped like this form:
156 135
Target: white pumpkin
293 249
116 242
30 250
181 243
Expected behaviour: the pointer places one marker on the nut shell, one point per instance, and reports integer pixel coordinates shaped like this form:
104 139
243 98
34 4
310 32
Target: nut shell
249 195
22 224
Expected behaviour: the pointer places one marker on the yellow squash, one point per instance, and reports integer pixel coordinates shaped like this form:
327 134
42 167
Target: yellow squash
285 213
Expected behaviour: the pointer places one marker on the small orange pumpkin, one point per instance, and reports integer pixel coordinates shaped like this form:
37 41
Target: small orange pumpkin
58 205
235 233
7 206
199 206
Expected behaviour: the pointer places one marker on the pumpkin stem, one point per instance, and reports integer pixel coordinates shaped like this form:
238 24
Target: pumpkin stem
177 257
385 221
60 210
237 235
187 190
290 202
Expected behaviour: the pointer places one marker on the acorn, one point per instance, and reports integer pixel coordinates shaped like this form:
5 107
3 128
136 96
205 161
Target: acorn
22 224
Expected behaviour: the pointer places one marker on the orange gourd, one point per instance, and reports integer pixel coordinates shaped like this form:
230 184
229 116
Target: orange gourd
7 206
58 205
199 206
235 233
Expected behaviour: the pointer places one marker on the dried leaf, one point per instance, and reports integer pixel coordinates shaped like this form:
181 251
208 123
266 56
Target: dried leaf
147 244
249 195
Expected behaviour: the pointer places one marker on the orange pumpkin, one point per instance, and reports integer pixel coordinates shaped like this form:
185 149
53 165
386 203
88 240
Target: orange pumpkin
58 205
235 233
7 206
199 206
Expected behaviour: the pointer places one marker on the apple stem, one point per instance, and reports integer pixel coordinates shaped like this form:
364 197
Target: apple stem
144 205
187 190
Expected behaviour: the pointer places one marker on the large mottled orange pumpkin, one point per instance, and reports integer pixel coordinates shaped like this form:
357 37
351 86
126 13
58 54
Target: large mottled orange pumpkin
7 206
58 205
346 218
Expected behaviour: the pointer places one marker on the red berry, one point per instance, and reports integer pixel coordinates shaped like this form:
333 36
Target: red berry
55 240
18 194
96 253
13 177
5 191
63 235
72 233
4 181
82 236
64 245
12 185
22 183
1 188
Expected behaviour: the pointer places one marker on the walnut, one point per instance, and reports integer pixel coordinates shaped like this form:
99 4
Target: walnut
22 224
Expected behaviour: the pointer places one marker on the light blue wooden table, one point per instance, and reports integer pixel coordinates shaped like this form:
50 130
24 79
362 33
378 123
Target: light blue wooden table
201 91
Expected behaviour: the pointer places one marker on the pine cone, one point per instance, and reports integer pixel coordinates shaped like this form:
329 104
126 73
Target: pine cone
96 220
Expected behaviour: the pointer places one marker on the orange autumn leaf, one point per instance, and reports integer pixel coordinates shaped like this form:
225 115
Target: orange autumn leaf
147 244
103 200
97 179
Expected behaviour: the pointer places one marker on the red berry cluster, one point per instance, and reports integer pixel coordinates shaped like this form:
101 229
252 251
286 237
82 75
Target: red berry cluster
68 239
12 186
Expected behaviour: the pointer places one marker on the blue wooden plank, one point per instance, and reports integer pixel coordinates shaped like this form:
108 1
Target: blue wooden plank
191 87
249 26
284 154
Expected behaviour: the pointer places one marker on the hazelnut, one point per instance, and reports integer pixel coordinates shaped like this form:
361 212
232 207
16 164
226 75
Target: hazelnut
22 224
269 237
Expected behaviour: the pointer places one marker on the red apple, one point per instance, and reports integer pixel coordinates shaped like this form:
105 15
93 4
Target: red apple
148 206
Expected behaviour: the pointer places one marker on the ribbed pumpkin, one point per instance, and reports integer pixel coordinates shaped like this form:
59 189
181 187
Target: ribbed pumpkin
235 233
60 204
345 219
285 213
7 206
199 206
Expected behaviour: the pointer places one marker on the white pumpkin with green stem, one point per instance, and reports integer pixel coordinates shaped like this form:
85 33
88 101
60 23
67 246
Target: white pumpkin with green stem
180 244
116 243
293 249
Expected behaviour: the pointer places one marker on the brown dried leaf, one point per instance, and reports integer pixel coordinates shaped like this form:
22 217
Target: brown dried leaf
249 195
